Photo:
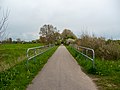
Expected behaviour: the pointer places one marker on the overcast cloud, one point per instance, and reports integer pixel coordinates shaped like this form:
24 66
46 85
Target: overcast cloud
101 17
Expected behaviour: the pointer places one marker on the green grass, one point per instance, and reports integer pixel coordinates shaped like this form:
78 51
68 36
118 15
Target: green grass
20 75
106 73
11 54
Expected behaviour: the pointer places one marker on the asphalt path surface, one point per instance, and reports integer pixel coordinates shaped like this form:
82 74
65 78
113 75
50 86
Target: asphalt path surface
62 72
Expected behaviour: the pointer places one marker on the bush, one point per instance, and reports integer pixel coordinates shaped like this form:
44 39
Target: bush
109 50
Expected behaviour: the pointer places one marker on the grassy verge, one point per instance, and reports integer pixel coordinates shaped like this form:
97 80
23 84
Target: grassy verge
106 74
11 54
19 76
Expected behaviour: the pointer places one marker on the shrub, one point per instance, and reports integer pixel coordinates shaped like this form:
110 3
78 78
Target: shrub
109 50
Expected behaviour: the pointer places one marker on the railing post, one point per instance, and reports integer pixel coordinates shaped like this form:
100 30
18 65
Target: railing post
27 59
35 54
93 58
86 51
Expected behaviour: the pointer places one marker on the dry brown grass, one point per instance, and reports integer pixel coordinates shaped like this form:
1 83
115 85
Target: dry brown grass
103 49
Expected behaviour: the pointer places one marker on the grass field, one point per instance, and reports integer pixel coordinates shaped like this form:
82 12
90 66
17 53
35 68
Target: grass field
21 74
11 54
106 73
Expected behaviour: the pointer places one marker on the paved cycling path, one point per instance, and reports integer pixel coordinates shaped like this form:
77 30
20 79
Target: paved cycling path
62 73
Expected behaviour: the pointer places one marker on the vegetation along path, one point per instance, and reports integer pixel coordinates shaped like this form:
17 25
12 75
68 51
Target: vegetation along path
62 73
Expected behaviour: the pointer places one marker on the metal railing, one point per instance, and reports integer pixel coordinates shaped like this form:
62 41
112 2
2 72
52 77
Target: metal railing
84 52
37 51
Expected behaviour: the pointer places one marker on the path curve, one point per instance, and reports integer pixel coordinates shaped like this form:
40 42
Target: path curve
62 73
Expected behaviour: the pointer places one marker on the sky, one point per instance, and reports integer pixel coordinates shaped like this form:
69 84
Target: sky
98 17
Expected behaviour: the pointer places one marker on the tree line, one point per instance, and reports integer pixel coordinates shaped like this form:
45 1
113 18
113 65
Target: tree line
50 34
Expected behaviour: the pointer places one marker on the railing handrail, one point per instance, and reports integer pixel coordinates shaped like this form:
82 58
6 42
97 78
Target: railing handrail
93 52
90 58
33 49
35 53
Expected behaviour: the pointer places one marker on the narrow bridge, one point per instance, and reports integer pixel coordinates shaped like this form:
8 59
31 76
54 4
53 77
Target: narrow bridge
61 73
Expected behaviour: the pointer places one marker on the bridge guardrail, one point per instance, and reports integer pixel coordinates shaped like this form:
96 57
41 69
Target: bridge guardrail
46 47
85 54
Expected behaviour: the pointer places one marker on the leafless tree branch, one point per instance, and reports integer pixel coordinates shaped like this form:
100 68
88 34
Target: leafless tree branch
3 22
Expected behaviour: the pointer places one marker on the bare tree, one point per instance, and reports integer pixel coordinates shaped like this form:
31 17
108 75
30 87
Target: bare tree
3 23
